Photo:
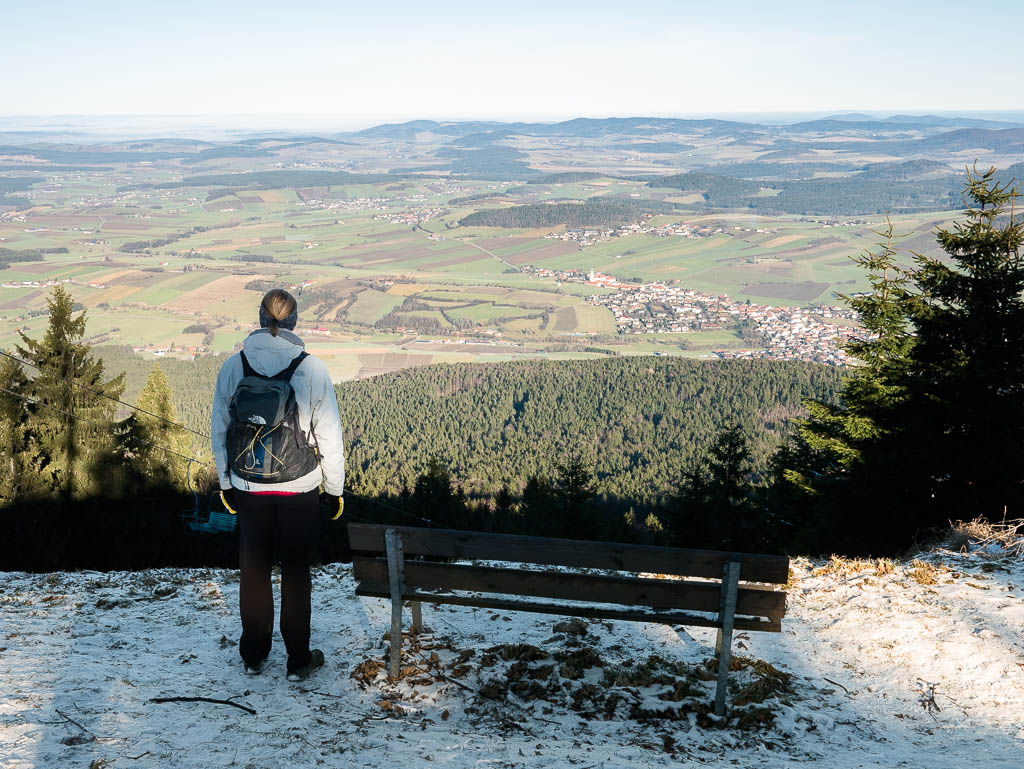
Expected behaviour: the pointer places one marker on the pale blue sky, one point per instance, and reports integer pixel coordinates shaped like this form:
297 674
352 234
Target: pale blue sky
365 62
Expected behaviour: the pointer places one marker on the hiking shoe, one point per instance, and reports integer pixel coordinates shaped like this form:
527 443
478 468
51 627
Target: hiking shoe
316 659
255 669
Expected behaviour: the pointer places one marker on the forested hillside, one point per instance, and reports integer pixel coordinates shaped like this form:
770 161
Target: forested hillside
639 422
191 381
860 195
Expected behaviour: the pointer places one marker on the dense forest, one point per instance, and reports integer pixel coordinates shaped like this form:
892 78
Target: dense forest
191 383
718 190
489 162
9 256
595 212
914 185
900 172
846 196
15 184
640 421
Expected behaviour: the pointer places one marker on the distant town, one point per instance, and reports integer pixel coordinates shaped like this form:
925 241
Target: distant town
589 236
786 333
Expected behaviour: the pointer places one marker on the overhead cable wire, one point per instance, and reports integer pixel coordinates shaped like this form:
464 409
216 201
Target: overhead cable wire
389 507
110 397
97 424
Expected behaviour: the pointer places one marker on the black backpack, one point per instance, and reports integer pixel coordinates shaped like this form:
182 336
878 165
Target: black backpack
264 441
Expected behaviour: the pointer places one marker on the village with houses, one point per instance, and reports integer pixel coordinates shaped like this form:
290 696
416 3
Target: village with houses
787 333
589 236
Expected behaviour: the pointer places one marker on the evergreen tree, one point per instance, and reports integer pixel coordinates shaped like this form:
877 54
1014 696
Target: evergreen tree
538 508
155 438
963 432
435 496
16 477
932 425
69 417
573 487
505 517
828 444
715 505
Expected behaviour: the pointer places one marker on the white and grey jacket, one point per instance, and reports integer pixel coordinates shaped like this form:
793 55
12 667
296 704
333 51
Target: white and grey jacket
314 397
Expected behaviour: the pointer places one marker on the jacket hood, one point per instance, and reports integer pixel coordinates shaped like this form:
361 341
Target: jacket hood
269 354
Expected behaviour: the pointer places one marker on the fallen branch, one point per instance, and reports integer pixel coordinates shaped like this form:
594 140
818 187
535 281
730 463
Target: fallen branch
836 683
962 708
73 721
854 724
159 700
322 694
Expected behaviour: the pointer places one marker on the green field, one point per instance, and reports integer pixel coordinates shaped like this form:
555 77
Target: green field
371 306
149 262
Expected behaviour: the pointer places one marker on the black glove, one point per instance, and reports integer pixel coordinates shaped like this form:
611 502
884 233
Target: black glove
227 497
333 503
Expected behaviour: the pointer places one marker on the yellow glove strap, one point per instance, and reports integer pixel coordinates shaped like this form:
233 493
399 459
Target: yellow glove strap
341 508
227 507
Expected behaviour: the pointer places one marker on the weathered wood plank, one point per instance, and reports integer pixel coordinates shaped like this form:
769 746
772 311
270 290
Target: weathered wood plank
727 618
572 553
395 569
629 591
487 602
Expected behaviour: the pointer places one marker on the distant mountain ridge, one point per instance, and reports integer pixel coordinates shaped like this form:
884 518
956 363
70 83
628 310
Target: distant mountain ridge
653 126
929 120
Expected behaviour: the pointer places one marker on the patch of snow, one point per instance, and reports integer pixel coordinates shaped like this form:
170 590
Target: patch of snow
887 671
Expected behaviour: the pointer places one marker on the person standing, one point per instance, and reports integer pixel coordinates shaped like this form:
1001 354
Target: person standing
277 437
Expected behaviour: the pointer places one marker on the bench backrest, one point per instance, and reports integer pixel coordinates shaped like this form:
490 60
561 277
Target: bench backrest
659 595
573 553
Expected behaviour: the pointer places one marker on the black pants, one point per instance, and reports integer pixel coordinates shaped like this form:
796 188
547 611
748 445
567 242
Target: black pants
292 521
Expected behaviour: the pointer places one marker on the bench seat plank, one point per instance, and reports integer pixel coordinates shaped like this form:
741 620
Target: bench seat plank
655 593
488 602
468 545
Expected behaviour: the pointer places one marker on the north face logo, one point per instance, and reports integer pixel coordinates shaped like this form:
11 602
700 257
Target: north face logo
256 419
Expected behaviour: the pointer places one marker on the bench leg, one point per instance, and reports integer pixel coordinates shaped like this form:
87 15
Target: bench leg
417 618
397 579
723 644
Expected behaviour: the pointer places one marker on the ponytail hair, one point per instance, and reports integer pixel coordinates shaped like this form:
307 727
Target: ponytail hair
278 310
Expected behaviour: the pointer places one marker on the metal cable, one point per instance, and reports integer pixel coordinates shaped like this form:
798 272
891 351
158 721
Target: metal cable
97 424
110 397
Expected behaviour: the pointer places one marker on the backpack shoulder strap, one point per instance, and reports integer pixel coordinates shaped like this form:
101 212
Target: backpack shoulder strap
247 370
286 374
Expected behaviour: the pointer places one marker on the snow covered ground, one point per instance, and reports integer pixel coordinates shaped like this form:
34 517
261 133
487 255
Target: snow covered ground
887 670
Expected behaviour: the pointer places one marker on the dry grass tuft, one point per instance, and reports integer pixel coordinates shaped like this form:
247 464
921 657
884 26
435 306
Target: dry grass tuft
926 573
841 567
980 533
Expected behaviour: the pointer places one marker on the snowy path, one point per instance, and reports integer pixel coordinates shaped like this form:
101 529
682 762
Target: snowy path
98 647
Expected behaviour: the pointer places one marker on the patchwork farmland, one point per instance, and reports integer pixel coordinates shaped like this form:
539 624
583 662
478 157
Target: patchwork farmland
387 262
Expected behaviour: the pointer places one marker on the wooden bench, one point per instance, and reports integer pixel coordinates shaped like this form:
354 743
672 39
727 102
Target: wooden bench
381 568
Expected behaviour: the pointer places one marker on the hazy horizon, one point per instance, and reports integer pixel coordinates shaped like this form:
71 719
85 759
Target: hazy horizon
545 60
225 127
